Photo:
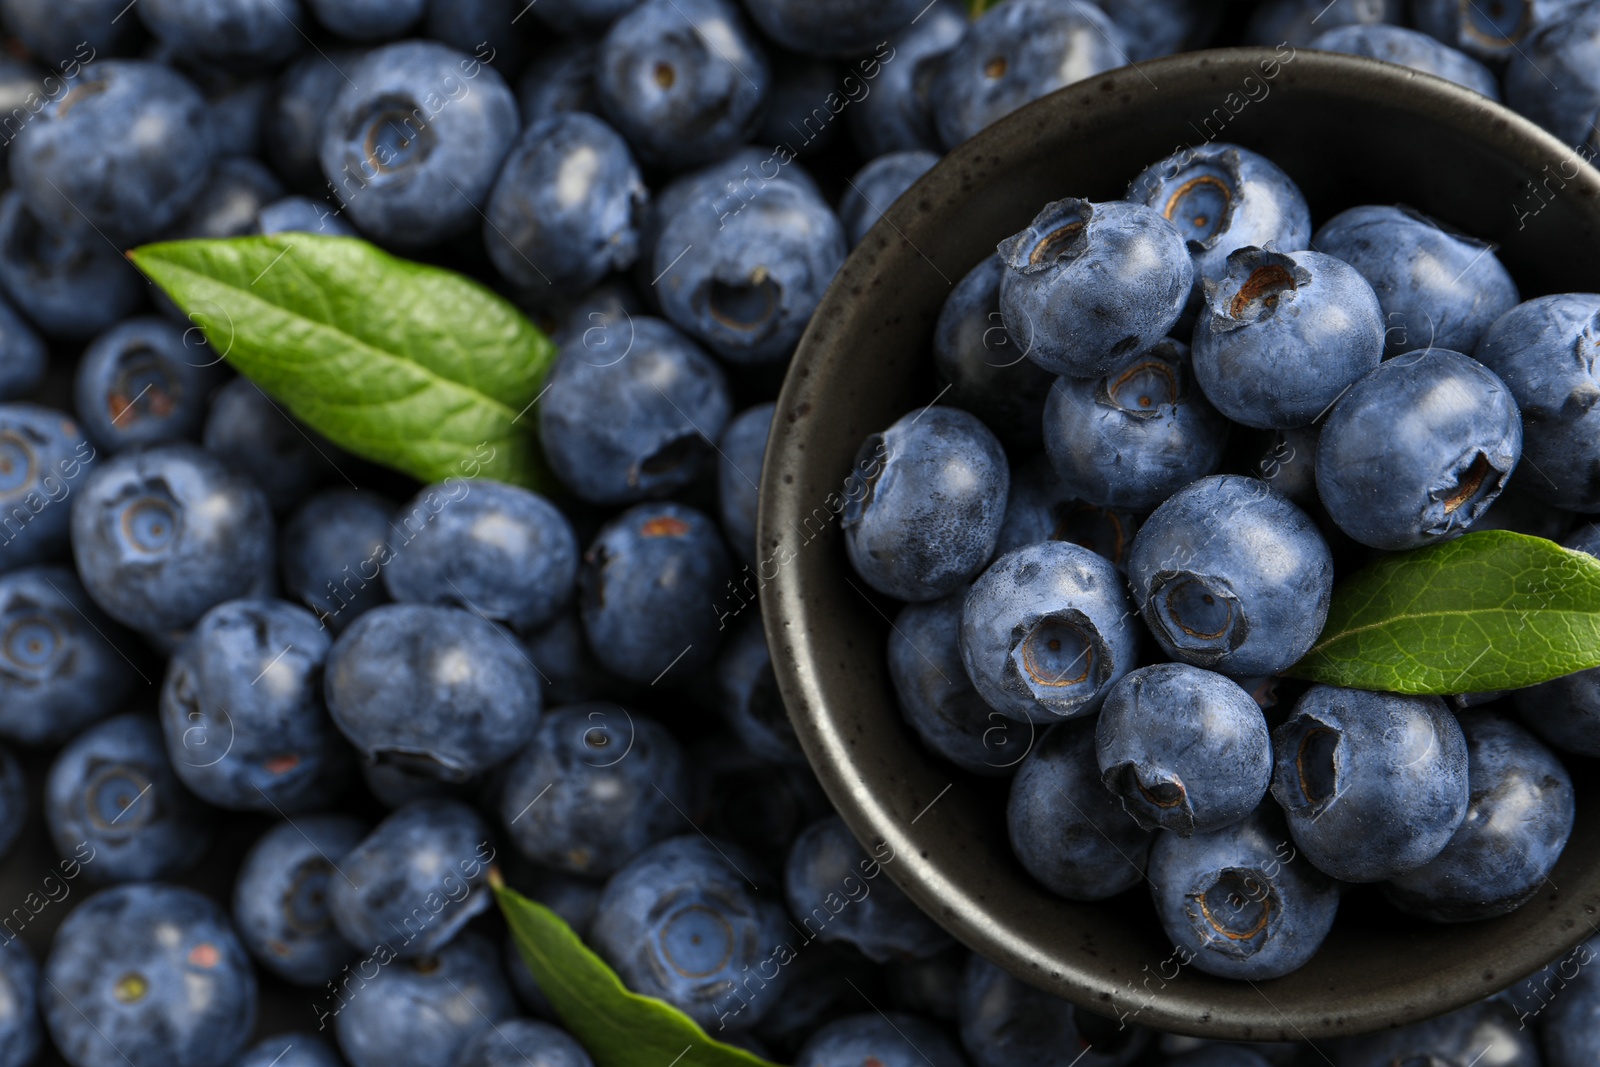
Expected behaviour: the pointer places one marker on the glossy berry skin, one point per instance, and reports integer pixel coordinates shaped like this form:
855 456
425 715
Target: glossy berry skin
1230 576
648 591
1040 508
1438 289
70 287
1545 351
1070 833
1374 784
1186 749
422 1012
20 1031
500 551
1238 902
142 382
435 690
924 505
1519 816
877 186
241 709
1014 55
1007 1023
1414 452
113 789
44 461
897 115
595 786
740 453
413 141
23 358
368 20
301 214
988 369
679 99
1488 1026
1493 33
1132 438
562 212
753 268
937 699
161 534
522 1043
883 922
280 897
289 1050
253 434
1220 198
1293 23
893 1040
1093 284
146 975
1409 48
629 422
680 922
59 670
1046 631
82 175
332 549
415 880
1565 100
1283 335
830 27
258 31
747 692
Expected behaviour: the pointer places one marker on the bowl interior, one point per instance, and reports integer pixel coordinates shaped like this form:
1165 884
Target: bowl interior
1350 131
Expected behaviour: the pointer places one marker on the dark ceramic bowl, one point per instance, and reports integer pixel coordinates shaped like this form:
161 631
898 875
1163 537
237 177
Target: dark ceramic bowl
1350 131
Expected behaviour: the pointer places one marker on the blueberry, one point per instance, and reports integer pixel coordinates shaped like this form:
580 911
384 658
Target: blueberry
1552 77
1004 1021
56 31
1283 335
23 359
568 669
1415 451
930 987
1374 784
1238 902
559 80
414 881
289 1050
1492 32
227 206
301 214
1046 631
826 862
500 551
422 1012
600 319
1164 27
368 20
395 786
435 690
82 175
684 81
745 276
740 452
799 115
241 708
828 982
111 791
1519 817
831 27
597 785
923 509
161 534
682 922
897 114
331 551
878 185
1040 508
20 1031
413 140
253 434
237 110
1014 54
1289 464
1186 750
522 1043
1230 576
1068 831
648 588
747 689
71 287
292 126
250 31
1290 24
576 16
1544 351
148 974
1532 995
1571 1030
280 897
1396 44
486 28
59 670
1483 1030
894 1040
1132 438
937 699
632 420
1437 288
142 382
43 459
562 212
1091 285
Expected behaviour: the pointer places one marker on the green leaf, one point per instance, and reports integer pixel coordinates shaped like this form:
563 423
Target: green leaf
618 1028
976 8
1489 610
407 365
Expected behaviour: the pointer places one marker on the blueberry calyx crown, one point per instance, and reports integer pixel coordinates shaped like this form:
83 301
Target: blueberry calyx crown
1235 911
1154 798
1471 486
1061 661
1057 234
1148 388
1198 614
1201 207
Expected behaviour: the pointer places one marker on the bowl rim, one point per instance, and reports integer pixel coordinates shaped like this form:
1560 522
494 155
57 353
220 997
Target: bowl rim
822 359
